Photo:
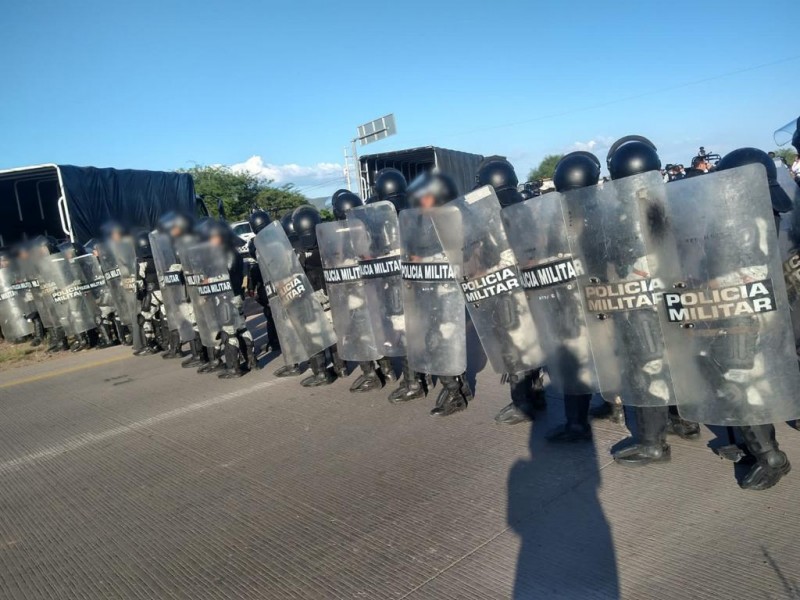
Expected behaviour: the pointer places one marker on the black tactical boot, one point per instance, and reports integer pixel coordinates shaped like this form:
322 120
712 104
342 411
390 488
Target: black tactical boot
771 463
687 430
215 362
38 331
82 342
321 374
577 428
248 349
58 340
368 380
339 367
385 365
523 399
174 344
652 446
233 368
410 388
198 355
288 371
613 411
452 398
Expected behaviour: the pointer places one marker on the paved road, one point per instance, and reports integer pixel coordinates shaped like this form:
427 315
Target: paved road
125 477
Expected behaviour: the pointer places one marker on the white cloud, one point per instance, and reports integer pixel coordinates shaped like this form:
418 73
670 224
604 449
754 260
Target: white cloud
593 145
291 173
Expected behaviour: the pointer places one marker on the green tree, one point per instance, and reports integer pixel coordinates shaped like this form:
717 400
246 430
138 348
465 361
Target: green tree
242 191
546 168
787 154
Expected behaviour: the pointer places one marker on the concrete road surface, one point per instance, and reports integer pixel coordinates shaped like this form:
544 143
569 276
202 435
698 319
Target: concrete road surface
125 477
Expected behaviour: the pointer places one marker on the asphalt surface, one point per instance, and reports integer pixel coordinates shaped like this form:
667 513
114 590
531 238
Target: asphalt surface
124 477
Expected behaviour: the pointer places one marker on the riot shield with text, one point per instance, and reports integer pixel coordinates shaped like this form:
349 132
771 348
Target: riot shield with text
125 255
292 348
726 315
211 291
433 302
352 319
280 265
13 306
473 236
113 276
620 287
93 282
68 293
29 281
375 234
538 235
171 283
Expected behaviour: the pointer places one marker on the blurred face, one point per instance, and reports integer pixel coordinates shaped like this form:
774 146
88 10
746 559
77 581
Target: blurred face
427 202
215 240
175 231
4 262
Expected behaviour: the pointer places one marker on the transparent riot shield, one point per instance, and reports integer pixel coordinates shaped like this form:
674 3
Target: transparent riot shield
474 239
29 281
784 134
375 234
113 276
292 348
787 184
13 306
125 255
726 315
65 285
352 319
620 287
433 302
211 291
93 282
280 265
171 282
538 235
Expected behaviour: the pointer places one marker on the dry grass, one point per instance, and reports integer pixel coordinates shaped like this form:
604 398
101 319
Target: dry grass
16 355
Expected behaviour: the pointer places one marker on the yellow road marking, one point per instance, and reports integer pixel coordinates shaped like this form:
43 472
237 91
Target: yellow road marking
59 372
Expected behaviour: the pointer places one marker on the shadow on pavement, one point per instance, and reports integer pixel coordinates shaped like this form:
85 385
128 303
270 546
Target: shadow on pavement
567 550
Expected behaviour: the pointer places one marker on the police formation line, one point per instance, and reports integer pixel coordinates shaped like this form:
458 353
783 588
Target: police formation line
676 299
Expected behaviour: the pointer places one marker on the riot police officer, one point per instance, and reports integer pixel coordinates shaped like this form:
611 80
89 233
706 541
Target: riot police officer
391 186
304 222
149 296
255 281
770 462
370 379
442 336
527 389
235 338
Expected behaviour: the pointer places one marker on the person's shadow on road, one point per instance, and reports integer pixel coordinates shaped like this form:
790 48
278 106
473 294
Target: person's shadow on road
567 550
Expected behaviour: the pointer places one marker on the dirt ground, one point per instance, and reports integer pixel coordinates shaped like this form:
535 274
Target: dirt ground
22 354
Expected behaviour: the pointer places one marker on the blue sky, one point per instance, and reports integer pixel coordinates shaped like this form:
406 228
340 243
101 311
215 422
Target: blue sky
167 84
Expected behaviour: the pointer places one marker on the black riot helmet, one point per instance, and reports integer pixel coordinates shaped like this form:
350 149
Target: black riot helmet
113 230
391 185
258 220
288 227
344 202
71 249
305 220
748 156
632 155
500 174
142 243
796 136
576 170
431 189
175 224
